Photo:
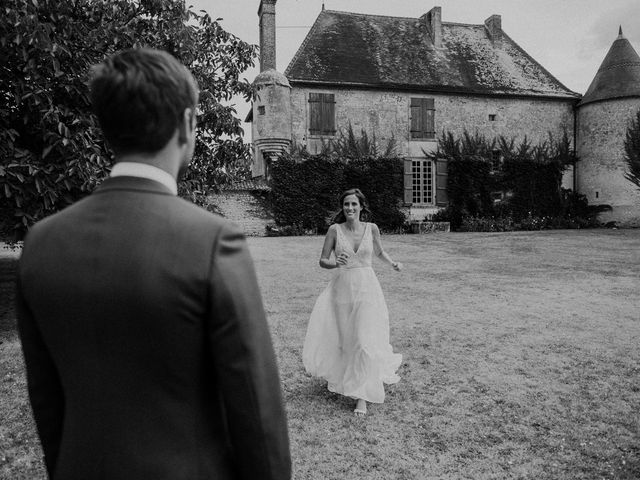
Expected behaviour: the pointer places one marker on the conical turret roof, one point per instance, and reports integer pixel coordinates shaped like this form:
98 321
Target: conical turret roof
619 74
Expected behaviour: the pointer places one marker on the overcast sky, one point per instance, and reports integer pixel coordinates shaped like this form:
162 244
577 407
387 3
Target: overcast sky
570 38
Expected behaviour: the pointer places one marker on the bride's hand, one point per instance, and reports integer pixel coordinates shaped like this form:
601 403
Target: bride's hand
342 259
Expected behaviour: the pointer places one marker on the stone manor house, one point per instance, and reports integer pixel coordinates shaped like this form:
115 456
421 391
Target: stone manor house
412 78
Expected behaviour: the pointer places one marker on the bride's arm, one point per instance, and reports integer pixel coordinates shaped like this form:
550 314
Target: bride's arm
327 248
379 251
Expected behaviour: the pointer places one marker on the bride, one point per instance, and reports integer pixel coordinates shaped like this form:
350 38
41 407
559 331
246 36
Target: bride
347 341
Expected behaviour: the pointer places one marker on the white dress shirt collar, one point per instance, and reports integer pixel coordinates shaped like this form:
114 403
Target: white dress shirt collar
143 170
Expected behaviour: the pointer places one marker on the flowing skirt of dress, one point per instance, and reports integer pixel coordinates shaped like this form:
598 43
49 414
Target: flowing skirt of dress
347 341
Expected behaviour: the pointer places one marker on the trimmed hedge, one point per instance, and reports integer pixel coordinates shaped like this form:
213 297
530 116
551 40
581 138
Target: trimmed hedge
305 189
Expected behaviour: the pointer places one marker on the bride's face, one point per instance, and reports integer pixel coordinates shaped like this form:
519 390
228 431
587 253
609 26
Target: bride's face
351 207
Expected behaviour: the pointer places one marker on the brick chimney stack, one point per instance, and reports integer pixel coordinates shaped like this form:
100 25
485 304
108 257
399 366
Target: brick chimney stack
493 24
433 20
267 16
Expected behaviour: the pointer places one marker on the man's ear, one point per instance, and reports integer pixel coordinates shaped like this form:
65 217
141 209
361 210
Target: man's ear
186 125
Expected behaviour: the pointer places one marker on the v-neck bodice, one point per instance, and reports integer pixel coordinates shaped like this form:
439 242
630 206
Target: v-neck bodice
360 257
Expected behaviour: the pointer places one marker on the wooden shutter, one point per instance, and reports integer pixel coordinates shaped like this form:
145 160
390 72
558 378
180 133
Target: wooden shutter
328 113
322 114
315 113
423 118
416 118
408 182
442 200
428 112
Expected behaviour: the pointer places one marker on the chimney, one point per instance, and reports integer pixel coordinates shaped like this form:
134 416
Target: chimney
267 16
433 20
493 24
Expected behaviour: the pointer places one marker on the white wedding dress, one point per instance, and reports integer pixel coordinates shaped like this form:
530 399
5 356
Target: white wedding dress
347 341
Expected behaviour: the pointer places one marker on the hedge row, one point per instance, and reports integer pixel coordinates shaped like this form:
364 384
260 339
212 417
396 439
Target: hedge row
305 191
507 184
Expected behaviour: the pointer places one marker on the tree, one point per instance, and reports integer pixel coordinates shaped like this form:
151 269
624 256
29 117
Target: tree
51 149
632 151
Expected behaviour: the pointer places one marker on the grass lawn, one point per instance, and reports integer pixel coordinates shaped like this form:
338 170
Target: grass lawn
521 360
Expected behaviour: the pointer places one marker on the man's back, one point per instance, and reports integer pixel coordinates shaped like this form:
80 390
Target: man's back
149 309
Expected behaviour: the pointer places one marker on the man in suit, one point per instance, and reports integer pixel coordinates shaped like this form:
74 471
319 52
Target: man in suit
145 340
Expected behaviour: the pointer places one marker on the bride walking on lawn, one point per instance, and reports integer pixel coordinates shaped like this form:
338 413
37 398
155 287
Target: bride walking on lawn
347 341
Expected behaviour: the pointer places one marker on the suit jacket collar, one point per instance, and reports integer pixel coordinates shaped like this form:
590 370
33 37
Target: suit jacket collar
138 169
133 184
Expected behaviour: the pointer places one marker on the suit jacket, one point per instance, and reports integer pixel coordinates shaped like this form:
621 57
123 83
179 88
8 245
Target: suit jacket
147 350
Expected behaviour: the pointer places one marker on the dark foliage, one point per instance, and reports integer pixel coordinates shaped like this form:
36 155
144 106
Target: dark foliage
519 190
305 190
51 149
303 193
632 151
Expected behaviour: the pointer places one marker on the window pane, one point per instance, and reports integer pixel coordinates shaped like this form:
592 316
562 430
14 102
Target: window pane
422 181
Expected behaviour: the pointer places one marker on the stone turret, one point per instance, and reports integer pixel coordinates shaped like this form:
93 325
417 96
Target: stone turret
271 112
611 101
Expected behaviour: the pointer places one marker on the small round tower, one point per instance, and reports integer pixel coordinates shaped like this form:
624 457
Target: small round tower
271 112
604 113
271 120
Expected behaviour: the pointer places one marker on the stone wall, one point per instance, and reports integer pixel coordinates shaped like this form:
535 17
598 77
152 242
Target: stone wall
387 114
602 128
245 209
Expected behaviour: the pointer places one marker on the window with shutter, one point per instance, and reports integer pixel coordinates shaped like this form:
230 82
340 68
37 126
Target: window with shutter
442 173
419 182
423 118
322 114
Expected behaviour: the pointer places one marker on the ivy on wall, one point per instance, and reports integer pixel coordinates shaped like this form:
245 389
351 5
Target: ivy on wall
499 178
632 150
305 189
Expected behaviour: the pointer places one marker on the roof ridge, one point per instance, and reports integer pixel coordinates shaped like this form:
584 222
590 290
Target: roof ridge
461 24
371 15
464 24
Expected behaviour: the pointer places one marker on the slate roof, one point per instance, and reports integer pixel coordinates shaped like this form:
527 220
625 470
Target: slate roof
618 76
397 53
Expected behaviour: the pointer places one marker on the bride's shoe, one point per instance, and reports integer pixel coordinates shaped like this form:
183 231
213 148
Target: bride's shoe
361 408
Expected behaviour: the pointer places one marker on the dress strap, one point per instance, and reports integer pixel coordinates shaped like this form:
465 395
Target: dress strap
339 236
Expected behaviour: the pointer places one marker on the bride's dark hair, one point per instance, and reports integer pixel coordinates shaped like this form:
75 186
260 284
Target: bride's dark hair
365 213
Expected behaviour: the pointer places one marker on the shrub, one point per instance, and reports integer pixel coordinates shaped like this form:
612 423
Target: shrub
527 179
632 150
305 189
51 149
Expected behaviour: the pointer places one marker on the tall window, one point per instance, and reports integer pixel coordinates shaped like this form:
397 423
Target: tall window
422 182
423 118
322 114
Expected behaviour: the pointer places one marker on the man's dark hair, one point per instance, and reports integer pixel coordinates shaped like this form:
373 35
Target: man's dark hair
139 97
